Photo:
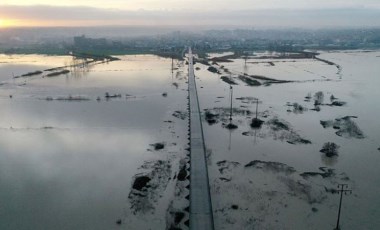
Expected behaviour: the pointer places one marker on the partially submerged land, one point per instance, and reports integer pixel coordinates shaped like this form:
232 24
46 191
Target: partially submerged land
215 65
295 135
260 193
255 183
80 60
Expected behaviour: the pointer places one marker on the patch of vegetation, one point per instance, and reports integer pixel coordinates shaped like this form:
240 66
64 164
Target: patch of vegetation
346 127
256 123
210 117
330 149
182 173
249 81
31 74
212 69
158 146
140 182
228 80
278 125
338 103
318 98
54 74
231 126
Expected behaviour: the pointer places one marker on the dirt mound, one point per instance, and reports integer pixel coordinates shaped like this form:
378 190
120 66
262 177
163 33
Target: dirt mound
147 187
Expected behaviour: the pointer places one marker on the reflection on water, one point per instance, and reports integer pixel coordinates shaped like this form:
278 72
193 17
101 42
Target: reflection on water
267 195
79 67
329 161
65 179
70 164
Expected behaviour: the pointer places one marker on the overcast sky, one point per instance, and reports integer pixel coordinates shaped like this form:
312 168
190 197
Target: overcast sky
280 13
203 4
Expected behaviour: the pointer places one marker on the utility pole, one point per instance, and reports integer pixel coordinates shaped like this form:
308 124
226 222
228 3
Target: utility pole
342 188
257 107
172 64
257 102
231 92
256 122
245 68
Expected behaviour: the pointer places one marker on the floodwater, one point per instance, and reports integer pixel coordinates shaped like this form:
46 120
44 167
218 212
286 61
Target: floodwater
69 156
69 164
256 174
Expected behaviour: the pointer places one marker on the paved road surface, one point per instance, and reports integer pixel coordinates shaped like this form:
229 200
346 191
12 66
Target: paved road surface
201 217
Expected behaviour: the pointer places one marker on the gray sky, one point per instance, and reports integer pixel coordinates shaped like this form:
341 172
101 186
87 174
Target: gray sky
203 4
277 13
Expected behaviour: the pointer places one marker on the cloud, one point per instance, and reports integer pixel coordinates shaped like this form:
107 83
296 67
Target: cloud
84 16
201 4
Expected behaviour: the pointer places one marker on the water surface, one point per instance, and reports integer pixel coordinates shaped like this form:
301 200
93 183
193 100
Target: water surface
70 164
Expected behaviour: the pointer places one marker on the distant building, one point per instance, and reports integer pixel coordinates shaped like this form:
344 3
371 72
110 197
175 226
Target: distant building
81 42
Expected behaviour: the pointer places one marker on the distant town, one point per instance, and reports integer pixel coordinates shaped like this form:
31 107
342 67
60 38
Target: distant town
111 41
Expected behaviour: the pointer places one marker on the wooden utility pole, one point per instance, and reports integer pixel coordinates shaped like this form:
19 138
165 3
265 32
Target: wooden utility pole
256 122
245 57
342 189
172 64
231 92
257 107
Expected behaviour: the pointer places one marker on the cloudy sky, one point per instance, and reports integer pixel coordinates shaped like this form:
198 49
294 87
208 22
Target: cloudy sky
277 13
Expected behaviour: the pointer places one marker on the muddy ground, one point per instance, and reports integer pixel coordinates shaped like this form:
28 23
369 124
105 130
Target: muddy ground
260 204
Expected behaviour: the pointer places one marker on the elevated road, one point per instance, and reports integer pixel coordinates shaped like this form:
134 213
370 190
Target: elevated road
201 216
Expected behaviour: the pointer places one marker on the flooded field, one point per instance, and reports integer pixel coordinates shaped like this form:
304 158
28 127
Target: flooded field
69 155
319 128
104 145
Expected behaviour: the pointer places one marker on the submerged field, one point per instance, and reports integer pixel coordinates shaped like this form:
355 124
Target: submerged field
275 176
70 155
104 145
